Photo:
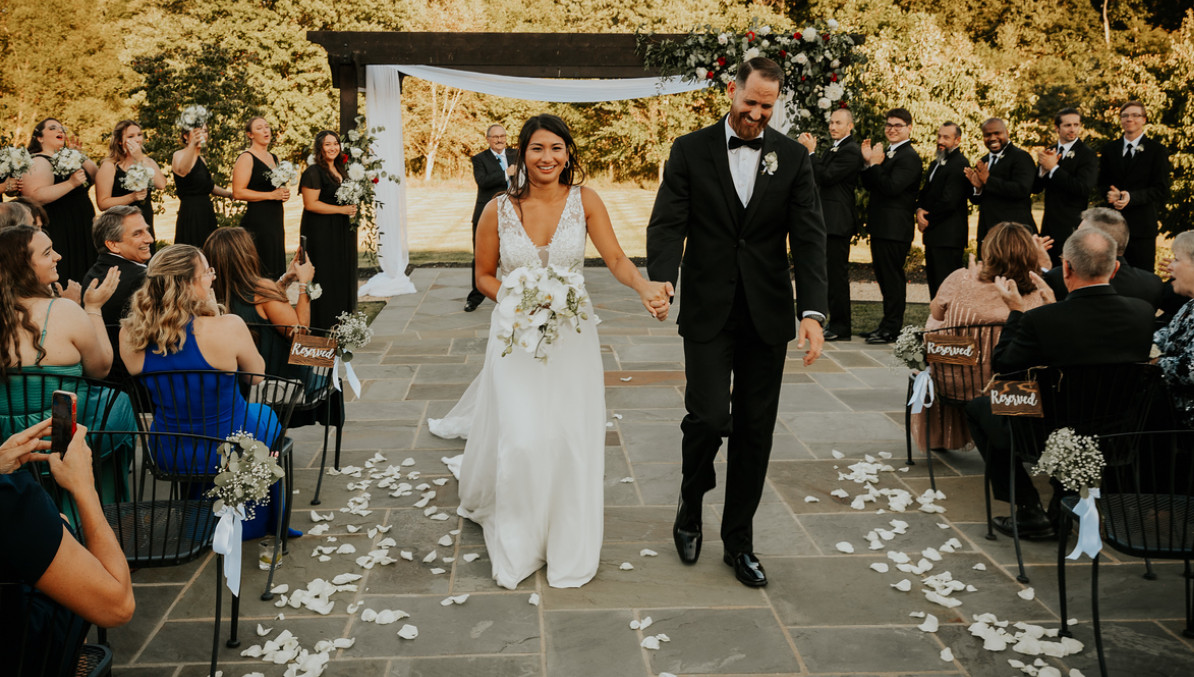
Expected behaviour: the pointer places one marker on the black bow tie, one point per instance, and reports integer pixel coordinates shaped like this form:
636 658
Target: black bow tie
753 144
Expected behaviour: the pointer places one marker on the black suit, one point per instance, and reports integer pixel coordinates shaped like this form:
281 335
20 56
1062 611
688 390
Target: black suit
1067 193
491 180
836 170
736 314
891 223
132 276
1094 325
1007 195
1128 281
1146 177
944 198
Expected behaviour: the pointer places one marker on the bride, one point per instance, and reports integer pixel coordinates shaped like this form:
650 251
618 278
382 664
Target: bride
532 470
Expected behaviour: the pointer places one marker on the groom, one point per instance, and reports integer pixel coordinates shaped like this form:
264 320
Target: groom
732 194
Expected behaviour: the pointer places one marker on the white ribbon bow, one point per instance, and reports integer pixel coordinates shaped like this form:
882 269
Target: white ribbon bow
349 374
922 392
1089 541
227 543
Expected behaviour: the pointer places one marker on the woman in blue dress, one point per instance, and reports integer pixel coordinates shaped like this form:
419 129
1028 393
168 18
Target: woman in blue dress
174 324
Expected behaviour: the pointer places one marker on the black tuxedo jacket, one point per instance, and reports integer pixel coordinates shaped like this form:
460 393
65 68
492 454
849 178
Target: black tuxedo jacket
1007 195
1093 325
490 178
1129 281
893 186
132 276
1067 191
1146 177
836 170
700 229
944 198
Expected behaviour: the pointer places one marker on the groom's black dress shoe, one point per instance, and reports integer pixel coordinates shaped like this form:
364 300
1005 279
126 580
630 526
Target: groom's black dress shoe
747 568
687 532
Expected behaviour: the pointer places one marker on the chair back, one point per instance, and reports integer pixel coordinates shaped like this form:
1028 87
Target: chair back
41 638
956 383
275 349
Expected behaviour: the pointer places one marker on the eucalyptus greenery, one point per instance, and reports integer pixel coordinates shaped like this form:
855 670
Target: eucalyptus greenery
247 471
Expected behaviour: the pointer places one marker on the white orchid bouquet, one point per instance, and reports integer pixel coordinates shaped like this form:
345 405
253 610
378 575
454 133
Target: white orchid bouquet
15 162
352 332
247 470
137 178
193 116
67 161
363 171
282 175
909 348
535 304
1073 460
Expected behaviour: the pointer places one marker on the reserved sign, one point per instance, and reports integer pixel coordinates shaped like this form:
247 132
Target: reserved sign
949 349
313 351
1016 398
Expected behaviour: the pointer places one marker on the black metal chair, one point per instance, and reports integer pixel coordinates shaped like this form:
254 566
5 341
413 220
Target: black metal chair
1146 509
42 639
322 404
1093 400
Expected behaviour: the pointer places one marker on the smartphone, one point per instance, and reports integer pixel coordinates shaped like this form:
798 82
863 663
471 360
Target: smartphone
302 252
62 421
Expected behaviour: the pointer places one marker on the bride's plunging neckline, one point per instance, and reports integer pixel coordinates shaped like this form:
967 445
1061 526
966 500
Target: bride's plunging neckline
559 219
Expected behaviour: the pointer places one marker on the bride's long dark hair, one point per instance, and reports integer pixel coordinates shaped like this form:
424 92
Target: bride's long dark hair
573 174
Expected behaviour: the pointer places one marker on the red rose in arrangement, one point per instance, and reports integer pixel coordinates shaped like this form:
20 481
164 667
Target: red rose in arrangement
782 54
709 75
344 157
833 77
750 36
842 105
375 179
797 36
721 61
825 37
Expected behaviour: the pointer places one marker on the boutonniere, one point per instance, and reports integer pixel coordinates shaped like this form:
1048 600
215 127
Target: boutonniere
1138 148
833 149
1069 154
891 153
770 163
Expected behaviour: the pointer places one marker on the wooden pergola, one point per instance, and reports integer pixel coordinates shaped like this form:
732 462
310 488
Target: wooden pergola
536 55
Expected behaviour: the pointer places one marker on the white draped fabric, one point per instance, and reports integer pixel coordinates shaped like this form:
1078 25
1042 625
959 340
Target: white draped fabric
383 108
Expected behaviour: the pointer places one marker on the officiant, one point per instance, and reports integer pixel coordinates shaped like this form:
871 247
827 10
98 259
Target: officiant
493 170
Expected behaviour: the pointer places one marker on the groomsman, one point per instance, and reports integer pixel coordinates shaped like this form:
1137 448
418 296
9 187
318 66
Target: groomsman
1134 175
1002 182
1067 173
943 213
893 179
492 170
836 171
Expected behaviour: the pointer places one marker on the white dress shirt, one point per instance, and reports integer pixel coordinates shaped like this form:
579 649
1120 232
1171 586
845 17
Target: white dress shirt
744 166
1063 149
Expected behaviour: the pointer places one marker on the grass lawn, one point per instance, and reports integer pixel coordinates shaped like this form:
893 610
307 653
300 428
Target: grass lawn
865 315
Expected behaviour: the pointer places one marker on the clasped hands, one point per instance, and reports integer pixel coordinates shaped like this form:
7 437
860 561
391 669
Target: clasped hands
1118 198
657 298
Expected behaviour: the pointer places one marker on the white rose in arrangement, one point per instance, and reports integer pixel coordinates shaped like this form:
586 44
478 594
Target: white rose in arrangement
805 113
764 30
354 135
723 39
835 63
356 172
310 159
834 91
726 77
824 103
750 53
765 43
701 73
355 152
833 24
810 34
801 59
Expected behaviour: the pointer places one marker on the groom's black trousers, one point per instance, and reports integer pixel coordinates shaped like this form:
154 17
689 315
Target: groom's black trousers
733 384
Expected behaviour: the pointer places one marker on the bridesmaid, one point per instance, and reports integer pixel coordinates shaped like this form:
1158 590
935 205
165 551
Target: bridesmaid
195 186
329 235
68 207
125 149
263 218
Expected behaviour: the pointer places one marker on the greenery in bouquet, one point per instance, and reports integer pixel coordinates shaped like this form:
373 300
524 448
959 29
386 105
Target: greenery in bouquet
534 304
352 332
67 161
814 58
909 348
1073 460
247 470
364 169
282 175
193 116
15 162
137 178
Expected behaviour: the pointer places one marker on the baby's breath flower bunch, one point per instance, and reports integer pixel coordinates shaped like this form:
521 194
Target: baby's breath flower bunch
1072 459
909 348
247 471
282 175
352 332
193 116
137 178
535 304
67 161
15 162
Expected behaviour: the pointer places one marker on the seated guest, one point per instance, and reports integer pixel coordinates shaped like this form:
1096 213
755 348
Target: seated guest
40 219
1176 340
969 297
62 586
123 241
14 214
1094 325
174 324
45 338
1128 280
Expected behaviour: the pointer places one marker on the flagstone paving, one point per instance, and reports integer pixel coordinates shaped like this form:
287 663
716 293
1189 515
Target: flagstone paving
824 613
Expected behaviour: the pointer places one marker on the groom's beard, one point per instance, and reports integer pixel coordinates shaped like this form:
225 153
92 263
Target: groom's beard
746 128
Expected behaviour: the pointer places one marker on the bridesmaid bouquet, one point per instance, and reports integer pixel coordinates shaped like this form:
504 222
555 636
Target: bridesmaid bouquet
67 161
282 175
535 304
247 470
15 162
193 116
137 179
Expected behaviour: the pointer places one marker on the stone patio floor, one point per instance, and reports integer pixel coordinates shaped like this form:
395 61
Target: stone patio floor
824 613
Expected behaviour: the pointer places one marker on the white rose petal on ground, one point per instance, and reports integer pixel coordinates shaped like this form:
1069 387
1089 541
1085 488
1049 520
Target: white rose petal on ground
470 557
445 540
836 454
431 556
881 567
947 655
626 480
625 379
626 566
840 493
279 589
651 643
533 599
408 632
406 463
262 632
352 608
845 547
407 555
318 530
440 516
435 571
930 625
1027 594
647 552
903 586
979 567
811 499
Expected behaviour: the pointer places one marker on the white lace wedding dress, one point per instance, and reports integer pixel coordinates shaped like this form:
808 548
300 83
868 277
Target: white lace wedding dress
532 470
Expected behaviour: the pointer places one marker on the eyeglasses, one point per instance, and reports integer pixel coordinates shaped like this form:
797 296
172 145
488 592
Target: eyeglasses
1131 115
495 138
898 125
210 272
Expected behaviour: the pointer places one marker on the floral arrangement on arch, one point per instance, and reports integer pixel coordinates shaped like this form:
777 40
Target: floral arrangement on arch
814 59
364 170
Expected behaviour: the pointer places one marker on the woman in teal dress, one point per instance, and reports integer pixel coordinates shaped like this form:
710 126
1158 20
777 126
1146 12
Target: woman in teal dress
50 344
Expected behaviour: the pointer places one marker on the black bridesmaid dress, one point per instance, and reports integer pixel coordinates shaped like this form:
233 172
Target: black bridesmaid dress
69 226
196 215
146 205
264 219
332 244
